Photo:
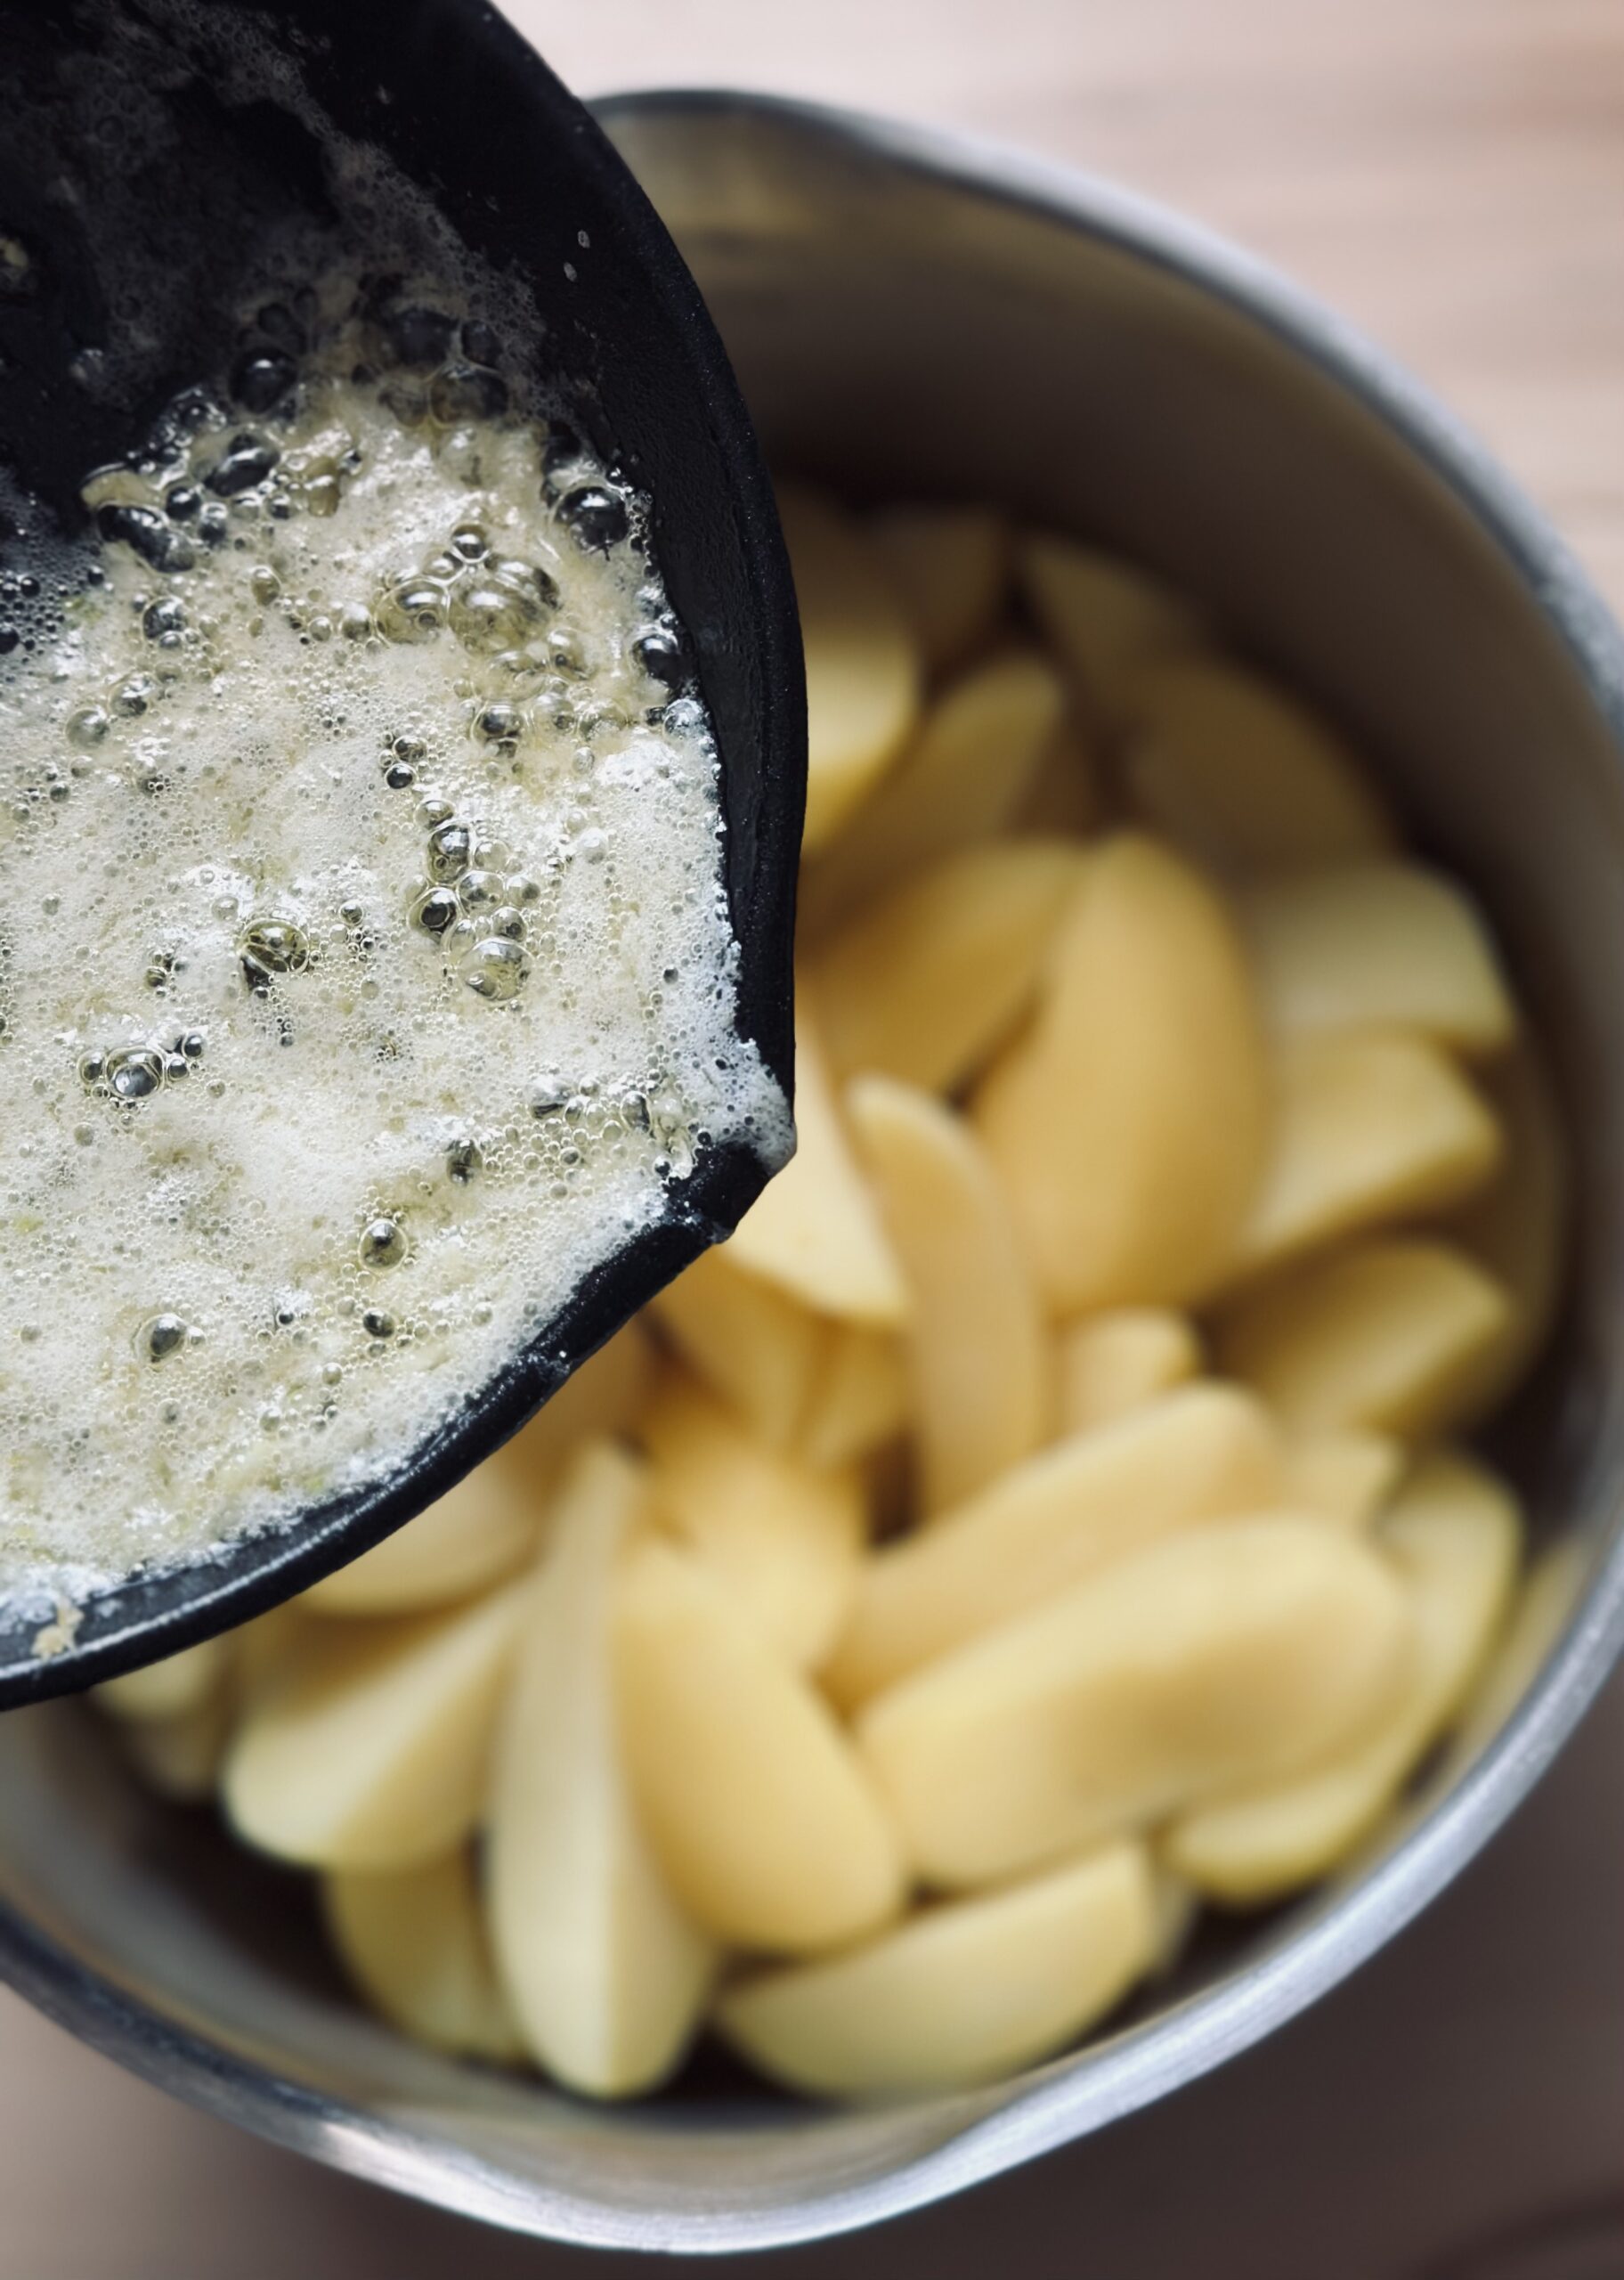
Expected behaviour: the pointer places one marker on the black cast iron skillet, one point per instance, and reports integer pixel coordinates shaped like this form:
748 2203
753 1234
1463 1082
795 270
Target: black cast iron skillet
457 101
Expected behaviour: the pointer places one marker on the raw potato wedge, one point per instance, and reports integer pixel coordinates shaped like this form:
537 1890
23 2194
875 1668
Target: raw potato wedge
764 1817
1112 1363
170 1688
1347 1476
1244 777
605 1975
860 1401
1103 617
964 776
926 984
366 1745
951 568
814 1232
1067 795
180 1755
1369 1129
1378 945
862 662
1129 1125
1194 1455
751 1343
978 1343
488 1526
960 1993
1519 1228
787 1539
413 1941
1227 1654
1453 1537
1392 1335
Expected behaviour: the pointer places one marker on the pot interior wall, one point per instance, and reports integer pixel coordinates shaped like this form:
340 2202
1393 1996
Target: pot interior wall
906 335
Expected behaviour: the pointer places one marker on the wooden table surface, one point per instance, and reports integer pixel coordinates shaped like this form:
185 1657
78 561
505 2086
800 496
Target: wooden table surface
1450 172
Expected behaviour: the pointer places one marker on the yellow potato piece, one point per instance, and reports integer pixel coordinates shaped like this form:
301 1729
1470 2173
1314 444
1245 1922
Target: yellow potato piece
787 1539
950 566
180 1755
751 1343
925 985
1519 1228
1347 1476
1387 1334
1178 1910
1104 617
978 1344
767 1824
1067 796
1227 1654
489 1525
863 663
962 1992
1454 1535
366 1745
1193 1455
414 1942
1245 778
605 1975
1129 1124
968 769
814 1232
170 1688
1369 1129
1378 945
1109 1364
860 1401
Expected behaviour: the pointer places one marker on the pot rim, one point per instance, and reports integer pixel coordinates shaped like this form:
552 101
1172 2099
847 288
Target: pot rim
1306 1958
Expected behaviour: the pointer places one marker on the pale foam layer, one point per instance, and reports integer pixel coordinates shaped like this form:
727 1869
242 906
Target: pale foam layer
364 964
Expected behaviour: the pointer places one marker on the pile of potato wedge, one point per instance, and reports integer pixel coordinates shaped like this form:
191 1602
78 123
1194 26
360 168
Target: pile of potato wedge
1048 1513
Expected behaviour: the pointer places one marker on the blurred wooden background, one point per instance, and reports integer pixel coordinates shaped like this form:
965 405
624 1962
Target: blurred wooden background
1450 172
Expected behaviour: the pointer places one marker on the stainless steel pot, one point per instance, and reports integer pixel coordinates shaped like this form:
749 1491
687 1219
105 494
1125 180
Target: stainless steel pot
910 314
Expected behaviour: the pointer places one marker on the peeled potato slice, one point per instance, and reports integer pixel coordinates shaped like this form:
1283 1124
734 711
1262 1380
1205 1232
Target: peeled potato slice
950 566
1391 1334
1347 1476
605 1975
1105 617
978 1343
863 665
1129 1125
414 1942
1067 795
180 1754
1196 1454
860 1401
754 1345
965 774
815 1232
1227 1654
1112 1363
960 1993
923 986
760 1811
1453 1537
1369 1129
366 1745
170 1688
1518 1228
1178 1908
1378 945
1244 777
489 1525
786 1538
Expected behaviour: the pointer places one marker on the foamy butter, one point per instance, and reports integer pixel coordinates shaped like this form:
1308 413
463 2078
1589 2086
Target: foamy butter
365 968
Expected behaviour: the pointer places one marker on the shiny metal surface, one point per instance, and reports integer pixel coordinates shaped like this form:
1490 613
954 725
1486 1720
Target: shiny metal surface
911 315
